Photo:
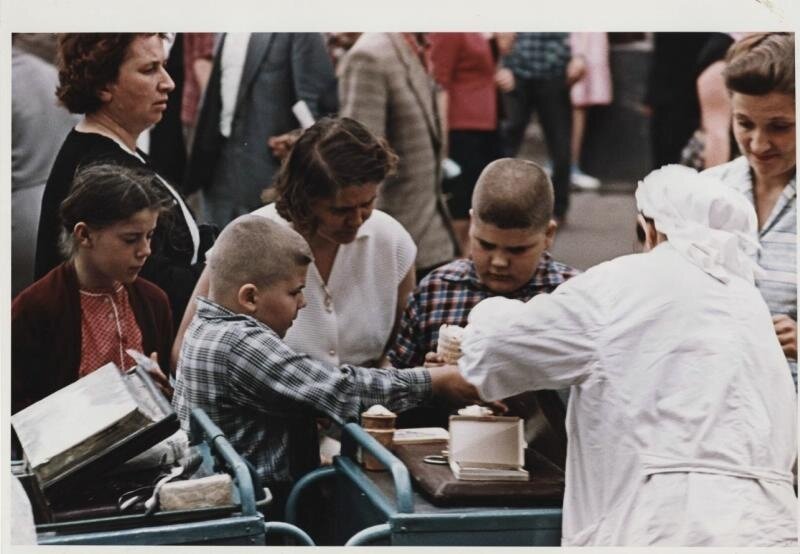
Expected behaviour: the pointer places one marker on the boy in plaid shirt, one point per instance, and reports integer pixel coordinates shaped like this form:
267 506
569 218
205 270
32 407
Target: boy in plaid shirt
264 396
511 229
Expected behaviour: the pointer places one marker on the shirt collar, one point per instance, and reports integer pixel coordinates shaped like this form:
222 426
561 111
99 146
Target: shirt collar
208 309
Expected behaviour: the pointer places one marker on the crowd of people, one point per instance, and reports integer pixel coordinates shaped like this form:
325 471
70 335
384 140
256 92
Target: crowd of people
345 195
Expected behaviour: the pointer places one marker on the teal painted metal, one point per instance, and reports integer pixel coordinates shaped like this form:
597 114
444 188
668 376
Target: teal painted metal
202 426
242 525
511 527
233 530
370 506
293 531
370 534
299 488
353 435
352 472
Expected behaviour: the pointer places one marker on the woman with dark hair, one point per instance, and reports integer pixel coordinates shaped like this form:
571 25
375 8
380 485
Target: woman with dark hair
760 79
91 308
363 267
118 81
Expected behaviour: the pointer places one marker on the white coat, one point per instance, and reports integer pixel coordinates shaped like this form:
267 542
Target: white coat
681 418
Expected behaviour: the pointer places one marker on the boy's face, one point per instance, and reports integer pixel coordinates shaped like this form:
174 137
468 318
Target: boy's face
506 259
277 305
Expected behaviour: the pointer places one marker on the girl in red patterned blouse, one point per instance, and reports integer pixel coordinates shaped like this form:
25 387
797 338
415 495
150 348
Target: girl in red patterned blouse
89 310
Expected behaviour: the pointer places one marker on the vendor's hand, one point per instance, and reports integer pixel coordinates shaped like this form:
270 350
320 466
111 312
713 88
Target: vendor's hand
447 382
504 79
576 69
786 329
161 380
432 359
282 144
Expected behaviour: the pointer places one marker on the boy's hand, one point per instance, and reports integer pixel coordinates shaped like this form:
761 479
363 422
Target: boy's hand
432 359
161 380
447 382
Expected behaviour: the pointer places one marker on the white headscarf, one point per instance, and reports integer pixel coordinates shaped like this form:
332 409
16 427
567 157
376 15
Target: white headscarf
712 225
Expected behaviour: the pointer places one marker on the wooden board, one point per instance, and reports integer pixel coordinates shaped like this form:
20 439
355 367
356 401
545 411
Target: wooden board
545 486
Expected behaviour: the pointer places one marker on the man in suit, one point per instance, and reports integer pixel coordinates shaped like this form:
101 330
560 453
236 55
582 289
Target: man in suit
384 83
255 81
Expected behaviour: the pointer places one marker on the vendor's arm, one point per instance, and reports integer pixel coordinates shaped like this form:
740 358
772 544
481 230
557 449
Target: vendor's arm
549 342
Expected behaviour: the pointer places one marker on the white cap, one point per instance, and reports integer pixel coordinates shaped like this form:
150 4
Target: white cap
710 224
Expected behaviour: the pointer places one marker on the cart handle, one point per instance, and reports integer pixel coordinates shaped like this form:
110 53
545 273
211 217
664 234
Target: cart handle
370 534
353 435
282 528
201 425
293 501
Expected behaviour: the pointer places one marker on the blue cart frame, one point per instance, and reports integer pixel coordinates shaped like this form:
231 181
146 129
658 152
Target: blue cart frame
383 509
240 525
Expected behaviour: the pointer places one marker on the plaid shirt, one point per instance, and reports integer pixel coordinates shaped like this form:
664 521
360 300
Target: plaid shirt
539 55
448 294
264 396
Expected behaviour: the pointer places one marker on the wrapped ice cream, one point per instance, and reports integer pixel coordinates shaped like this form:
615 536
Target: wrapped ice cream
378 417
449 343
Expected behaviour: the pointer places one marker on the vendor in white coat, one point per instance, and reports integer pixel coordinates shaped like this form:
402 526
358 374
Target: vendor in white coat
681 418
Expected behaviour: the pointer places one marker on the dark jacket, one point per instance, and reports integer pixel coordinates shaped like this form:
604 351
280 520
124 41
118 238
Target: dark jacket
46 332
169 266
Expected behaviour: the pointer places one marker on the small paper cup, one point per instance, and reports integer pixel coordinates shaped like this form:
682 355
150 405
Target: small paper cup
378 421
383 436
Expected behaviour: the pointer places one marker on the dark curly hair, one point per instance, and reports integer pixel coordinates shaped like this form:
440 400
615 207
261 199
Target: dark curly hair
760 64
331 154
86 63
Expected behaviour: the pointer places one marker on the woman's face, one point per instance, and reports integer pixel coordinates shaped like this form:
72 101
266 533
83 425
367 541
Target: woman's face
764 130
340 217
138 98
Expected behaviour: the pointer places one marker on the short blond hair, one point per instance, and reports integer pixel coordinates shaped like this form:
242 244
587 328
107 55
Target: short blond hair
513 194
254 249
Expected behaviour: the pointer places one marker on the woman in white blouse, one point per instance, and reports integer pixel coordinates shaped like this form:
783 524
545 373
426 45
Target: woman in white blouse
363 268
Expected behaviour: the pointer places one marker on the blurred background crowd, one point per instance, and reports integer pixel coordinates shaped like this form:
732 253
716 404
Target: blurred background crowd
599 110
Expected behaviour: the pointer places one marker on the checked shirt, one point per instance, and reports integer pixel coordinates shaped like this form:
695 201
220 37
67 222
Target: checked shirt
539 55
448 294
264 396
